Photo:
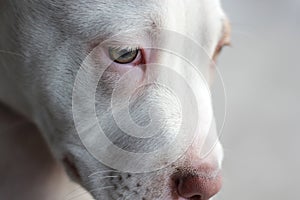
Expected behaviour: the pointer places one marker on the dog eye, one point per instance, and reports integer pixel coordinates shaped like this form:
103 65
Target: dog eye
123 56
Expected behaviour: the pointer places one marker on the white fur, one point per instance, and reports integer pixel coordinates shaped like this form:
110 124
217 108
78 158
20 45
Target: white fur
42 46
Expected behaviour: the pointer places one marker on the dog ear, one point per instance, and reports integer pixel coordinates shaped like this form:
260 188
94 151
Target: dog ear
225 40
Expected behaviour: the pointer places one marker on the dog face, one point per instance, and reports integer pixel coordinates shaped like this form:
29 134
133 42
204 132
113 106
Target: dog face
104 53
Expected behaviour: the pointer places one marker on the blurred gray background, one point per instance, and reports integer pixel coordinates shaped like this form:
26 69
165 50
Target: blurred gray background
261 73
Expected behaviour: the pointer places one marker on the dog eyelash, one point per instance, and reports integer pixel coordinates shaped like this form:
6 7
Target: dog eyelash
127 48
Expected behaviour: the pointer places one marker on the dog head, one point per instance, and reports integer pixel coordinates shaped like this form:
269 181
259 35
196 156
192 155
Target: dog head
116 90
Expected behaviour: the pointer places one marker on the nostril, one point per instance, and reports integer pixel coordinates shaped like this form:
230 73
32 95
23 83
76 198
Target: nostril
196 197
198 187
187 191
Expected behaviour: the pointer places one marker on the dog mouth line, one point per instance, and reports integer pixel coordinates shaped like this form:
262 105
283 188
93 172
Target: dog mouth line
71 168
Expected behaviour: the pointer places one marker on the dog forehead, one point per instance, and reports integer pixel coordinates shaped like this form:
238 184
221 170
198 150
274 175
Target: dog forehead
109 17
106 16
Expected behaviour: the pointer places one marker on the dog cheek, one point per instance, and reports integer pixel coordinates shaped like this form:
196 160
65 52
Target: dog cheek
136 73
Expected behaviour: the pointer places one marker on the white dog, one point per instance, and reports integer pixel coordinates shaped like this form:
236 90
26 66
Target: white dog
59 57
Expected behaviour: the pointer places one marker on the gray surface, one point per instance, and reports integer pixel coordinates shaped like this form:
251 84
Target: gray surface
262 77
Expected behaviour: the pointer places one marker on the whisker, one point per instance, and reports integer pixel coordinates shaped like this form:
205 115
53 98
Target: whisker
100 172
127 197
87 192
75 196
12 53
106 187
107 177
79 187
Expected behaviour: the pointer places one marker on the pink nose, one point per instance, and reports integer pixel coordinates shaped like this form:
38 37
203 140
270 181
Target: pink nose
199 185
